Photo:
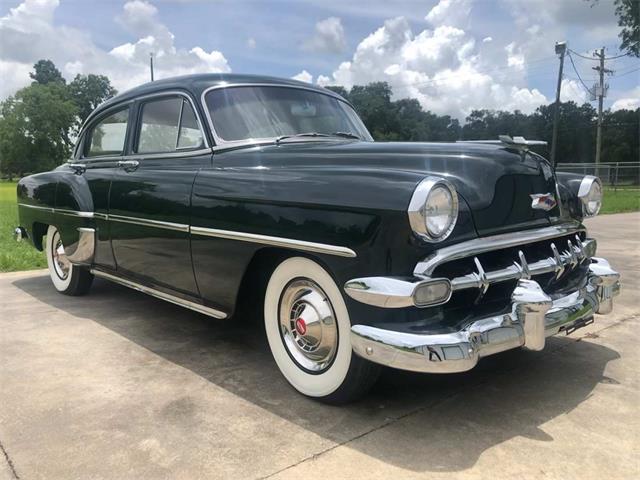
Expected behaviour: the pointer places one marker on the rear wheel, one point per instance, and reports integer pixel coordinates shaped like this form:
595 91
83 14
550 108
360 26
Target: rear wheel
308 330
67 278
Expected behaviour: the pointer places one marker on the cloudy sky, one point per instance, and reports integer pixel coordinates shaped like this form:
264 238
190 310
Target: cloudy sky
452 55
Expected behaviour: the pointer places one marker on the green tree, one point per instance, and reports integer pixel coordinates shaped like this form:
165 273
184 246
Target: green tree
45 71
373 103
89 91
621 136
34 128
628 13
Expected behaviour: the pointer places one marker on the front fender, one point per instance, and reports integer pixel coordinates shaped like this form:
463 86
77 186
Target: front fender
568 186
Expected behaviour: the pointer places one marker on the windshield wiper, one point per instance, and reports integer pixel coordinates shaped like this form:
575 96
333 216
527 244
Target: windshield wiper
307 134
317 134
346 135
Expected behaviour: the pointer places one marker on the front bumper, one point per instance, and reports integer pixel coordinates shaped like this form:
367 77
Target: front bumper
533 317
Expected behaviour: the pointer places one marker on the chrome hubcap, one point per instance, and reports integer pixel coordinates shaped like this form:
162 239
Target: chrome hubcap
61 263
308 325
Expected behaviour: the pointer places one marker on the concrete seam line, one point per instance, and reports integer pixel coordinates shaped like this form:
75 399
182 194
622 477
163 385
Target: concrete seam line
433 404
9 462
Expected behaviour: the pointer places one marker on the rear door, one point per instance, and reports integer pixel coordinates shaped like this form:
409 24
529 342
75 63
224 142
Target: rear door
149 202
100 149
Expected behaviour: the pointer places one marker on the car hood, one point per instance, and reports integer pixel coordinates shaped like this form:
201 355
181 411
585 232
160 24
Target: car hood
496 182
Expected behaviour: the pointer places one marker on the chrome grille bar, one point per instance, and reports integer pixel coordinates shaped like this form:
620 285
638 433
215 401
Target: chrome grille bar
558 263
496 242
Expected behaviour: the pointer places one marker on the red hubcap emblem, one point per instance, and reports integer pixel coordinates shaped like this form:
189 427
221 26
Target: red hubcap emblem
301 327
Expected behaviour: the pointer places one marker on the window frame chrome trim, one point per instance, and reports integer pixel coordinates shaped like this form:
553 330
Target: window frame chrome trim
501 241
275 241
168 155
212 312
79 155
169 93
220 143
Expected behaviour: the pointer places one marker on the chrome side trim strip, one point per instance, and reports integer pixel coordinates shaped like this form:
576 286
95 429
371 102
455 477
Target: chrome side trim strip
73 213
275 241
212 312
145 222
495 242
213 232
61 211
36 207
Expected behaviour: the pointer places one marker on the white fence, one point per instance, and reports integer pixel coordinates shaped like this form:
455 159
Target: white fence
627 173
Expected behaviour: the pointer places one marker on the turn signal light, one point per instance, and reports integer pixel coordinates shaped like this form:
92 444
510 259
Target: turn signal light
432 292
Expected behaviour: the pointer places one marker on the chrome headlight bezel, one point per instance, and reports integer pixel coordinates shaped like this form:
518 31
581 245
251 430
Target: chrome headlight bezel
584 194
417 210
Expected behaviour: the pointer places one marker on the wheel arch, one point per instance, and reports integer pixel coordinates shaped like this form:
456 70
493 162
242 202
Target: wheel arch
250 295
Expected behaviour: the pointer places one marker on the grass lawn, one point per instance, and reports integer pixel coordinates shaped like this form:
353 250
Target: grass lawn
622 200
22 256
14 256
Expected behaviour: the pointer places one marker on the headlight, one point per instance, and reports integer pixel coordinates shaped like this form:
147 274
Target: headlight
433 209
590 194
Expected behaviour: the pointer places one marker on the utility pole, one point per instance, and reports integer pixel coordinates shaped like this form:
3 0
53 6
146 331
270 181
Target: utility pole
600 92
561 48
151 65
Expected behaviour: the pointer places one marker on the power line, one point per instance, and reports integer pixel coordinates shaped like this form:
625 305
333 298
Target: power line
626 73
597 59
578 74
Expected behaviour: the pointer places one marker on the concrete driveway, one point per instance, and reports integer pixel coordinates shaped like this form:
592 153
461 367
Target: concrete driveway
120 385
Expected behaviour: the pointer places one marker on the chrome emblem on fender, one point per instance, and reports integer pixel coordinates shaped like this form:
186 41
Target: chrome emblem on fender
543 201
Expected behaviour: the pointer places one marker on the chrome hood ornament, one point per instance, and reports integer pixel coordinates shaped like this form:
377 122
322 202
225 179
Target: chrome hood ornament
543 201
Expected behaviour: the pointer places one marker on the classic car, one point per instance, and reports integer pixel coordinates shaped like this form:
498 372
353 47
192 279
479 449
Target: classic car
220 191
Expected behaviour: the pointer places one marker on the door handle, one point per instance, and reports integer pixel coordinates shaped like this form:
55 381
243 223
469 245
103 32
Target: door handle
78 168
128 165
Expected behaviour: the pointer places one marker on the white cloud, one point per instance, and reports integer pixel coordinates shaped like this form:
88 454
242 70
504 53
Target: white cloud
329 37
515 57
573 91
441 68
450 12
251 43
304 76
487 39
29 33
629 100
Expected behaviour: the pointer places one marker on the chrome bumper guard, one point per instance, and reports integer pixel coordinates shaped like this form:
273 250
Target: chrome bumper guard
533 317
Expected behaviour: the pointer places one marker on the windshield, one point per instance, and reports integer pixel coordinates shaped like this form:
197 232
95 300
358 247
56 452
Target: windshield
266 112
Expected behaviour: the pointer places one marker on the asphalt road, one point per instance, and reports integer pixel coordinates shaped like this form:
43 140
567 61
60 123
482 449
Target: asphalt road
120 385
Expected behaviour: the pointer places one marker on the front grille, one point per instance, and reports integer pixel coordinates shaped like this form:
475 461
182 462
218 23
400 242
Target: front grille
552 262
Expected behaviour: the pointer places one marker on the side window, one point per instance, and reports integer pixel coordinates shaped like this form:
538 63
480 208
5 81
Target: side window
107 136
167 125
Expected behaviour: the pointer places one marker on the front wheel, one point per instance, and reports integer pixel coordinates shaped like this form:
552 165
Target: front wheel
67 278
308 330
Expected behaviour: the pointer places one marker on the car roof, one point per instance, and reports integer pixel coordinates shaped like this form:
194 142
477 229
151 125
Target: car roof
197 83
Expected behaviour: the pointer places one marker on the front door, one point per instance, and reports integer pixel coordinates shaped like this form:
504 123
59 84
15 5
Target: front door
149 202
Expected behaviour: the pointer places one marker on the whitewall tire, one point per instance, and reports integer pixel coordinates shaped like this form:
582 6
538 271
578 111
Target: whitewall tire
308 330
67 278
